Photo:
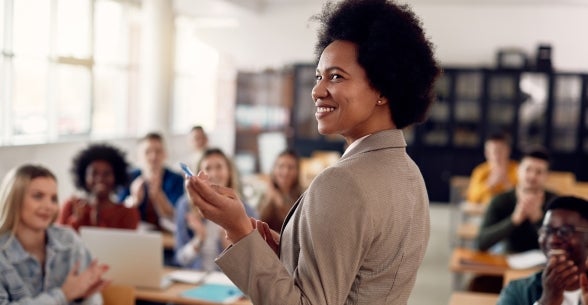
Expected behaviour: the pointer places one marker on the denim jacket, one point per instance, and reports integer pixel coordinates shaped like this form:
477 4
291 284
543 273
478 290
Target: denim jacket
22 281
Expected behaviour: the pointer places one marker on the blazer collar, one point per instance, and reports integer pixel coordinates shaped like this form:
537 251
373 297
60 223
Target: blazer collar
384 139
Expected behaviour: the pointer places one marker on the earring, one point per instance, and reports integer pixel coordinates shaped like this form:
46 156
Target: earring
379 102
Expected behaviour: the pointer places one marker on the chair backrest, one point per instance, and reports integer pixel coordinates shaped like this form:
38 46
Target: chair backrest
580 189
118 294
513 274
560 182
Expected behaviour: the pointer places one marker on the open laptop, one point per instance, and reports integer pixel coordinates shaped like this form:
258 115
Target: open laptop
135 258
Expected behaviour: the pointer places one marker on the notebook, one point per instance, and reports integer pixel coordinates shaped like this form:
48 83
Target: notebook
215 287
135 258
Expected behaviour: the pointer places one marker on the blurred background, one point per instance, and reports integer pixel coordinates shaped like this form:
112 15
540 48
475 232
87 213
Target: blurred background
79 71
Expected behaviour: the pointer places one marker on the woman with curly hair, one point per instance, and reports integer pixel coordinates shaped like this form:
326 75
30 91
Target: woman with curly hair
359 233
98 171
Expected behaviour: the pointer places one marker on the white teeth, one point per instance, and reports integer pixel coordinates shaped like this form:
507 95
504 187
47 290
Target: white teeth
324 109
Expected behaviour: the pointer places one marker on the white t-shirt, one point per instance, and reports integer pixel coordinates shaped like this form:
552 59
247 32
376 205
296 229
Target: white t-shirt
570 298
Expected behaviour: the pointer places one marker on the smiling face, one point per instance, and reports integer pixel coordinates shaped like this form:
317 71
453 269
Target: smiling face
285 172
346 102
152 154
574 246
217 169
40 205
532 174
100 178
496 153
198 139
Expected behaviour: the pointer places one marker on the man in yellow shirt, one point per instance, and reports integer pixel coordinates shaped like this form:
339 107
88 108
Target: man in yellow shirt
496 175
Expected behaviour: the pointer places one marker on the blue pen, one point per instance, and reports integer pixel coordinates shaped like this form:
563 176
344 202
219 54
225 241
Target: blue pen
186 169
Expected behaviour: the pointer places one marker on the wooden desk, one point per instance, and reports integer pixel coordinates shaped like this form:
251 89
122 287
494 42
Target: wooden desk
468 231
173 293
467 260
469 298
473 209
480 263
169 241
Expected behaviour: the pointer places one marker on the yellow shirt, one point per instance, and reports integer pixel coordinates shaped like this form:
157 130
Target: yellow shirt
478 190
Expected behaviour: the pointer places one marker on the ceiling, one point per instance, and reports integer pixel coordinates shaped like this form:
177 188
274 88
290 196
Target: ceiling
229 7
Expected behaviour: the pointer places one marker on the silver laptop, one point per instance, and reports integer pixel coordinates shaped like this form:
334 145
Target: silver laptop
135 258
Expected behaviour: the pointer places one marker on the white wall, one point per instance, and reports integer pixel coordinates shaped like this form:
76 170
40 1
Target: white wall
464 34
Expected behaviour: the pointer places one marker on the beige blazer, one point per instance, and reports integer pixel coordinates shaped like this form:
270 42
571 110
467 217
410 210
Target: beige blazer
357 236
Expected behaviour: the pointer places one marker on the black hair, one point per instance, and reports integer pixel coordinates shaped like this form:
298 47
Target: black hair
197 127
570 203
103 152
498 136
537 153
392 49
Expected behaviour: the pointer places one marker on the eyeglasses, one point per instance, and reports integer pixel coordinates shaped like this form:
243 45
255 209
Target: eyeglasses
565 231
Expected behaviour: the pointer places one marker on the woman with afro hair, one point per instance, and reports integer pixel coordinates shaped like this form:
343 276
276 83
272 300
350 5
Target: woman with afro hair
359 233
98 171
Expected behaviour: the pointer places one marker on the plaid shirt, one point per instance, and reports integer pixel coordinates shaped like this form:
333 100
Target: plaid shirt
22 280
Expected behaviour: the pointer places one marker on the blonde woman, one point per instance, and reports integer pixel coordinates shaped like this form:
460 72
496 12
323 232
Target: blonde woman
41 263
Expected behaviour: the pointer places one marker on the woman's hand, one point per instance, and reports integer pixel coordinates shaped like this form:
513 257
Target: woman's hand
219 204
271 237
84 284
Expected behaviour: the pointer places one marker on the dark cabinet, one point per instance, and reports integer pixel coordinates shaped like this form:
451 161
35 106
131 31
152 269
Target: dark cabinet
534 108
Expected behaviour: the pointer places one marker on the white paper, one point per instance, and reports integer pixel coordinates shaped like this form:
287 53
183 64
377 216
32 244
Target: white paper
187 276
217 277
526 259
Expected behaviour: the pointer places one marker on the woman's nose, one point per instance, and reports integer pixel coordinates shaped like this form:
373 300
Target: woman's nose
318 91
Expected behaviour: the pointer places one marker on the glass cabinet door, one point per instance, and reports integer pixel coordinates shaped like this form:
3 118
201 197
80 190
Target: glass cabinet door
533 108
468 101
565 114
304 121
502 104
435 130
584 147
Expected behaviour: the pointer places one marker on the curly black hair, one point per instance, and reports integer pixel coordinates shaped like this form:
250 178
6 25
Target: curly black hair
103 152
392 48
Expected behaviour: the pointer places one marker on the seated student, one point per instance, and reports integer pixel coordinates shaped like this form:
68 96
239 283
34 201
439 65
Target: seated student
563 240
514 217
198 142
199 241
98 171
283 190
41 263
154 188
498 174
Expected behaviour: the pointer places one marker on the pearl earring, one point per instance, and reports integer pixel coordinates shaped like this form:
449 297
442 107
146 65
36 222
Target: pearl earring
379 102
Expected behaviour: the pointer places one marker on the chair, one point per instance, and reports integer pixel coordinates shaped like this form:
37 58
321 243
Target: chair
118 294
580 189
560 182
515 274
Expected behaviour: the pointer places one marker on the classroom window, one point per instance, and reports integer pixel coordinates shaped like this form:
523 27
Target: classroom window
68 68
196 74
